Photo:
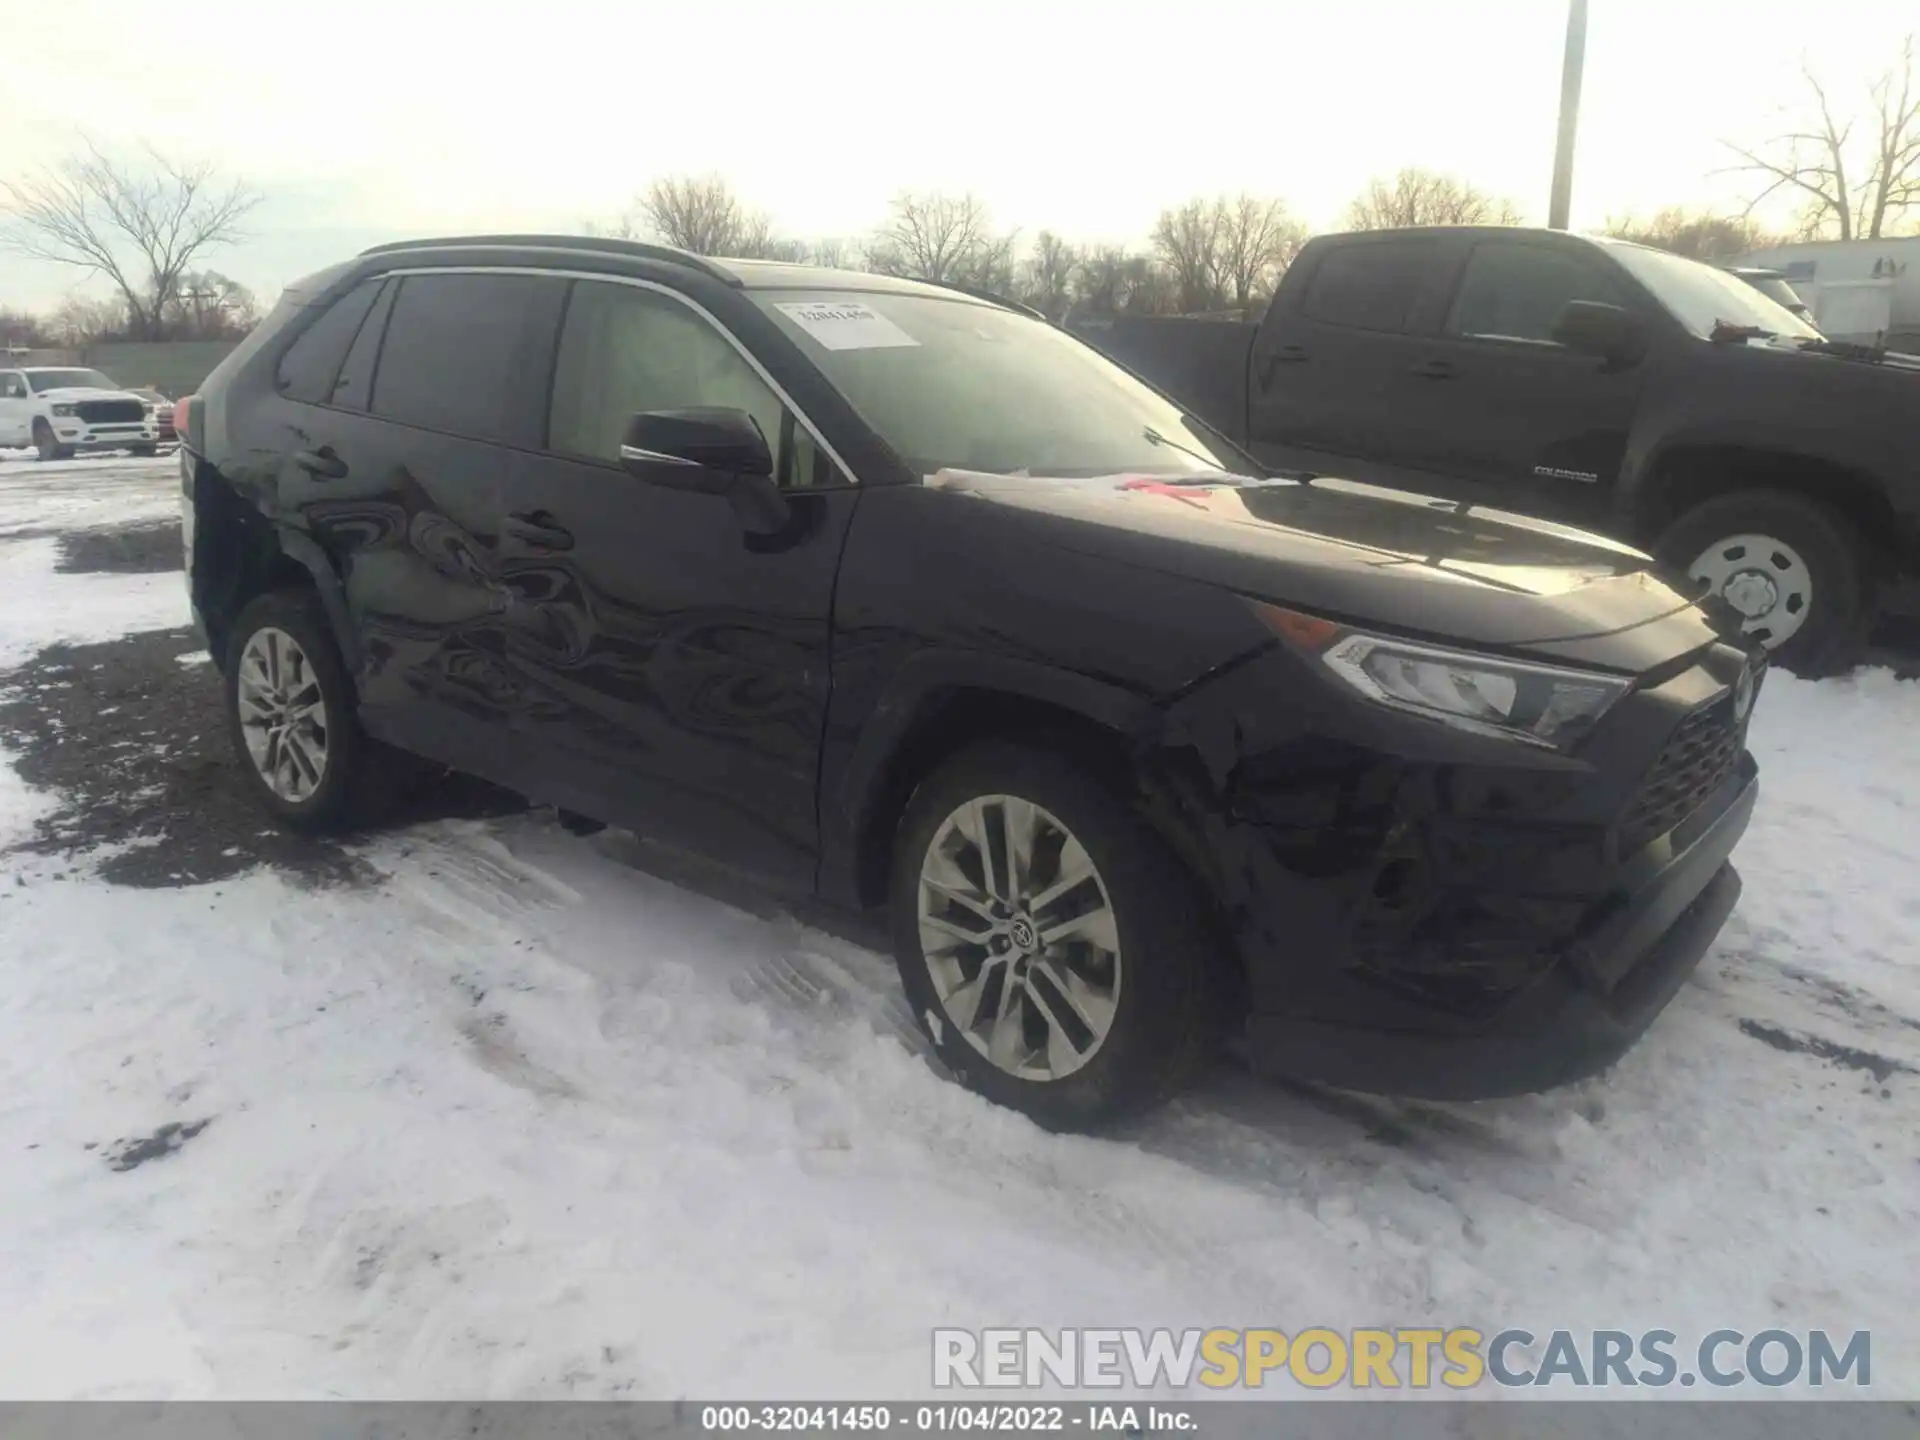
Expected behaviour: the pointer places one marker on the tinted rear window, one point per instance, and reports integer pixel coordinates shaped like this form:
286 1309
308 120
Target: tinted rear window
1371 286
354 386
466 354
307 369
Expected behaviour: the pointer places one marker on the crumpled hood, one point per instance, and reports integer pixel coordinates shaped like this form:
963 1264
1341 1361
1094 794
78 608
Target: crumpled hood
1368 555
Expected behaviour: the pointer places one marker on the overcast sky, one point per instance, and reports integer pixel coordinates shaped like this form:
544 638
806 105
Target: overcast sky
364 121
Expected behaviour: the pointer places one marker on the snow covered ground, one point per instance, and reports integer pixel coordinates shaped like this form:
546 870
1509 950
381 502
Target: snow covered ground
520 1118
85 492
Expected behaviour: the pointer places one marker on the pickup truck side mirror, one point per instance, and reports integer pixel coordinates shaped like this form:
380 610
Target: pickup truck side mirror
708 451
1604 330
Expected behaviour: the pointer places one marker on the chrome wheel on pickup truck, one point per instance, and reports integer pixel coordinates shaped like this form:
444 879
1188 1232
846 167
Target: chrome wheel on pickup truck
1795 572
1764 579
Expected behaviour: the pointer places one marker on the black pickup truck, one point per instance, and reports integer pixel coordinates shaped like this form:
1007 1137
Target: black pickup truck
1594 382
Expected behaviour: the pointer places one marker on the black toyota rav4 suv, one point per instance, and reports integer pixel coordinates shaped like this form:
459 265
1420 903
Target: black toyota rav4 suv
899 596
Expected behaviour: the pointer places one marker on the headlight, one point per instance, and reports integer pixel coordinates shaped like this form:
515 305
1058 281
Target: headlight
1546 705
66 412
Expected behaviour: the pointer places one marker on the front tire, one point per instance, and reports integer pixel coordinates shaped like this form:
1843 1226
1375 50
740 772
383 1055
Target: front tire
290 714
1796 571
45 446
1057 955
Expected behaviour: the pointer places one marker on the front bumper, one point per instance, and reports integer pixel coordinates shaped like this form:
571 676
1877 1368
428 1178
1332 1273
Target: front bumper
79 435
1424 912
1569 1024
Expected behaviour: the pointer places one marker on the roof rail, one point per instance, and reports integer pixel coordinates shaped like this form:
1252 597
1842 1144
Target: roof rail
639 249
978 294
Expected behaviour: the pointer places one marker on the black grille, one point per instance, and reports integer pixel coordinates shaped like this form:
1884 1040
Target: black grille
111 412
1699 756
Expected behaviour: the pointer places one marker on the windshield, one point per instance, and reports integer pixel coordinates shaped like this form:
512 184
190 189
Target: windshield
44 380
1781 293
953 384
1701 297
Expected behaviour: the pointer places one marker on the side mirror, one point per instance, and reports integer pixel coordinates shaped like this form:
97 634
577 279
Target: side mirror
720 443
708 451
1595 329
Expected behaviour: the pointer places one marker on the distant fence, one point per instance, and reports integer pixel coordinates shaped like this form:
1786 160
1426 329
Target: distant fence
1187 355
173 367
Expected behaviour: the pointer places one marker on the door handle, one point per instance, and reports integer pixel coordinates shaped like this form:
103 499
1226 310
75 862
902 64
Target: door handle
1436 370
322 464
538 530
1278 356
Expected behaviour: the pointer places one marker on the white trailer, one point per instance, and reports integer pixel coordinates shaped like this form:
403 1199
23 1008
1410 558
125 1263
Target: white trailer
1865 291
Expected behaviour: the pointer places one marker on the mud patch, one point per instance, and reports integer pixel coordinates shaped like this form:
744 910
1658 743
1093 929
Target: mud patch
133 550
1879 1067
129 1154
500 1057
135 744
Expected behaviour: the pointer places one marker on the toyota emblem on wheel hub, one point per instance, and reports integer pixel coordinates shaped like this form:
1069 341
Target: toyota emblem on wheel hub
1022 931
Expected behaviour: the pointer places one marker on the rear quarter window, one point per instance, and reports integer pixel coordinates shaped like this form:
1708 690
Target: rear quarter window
1373 285
306 371
354 387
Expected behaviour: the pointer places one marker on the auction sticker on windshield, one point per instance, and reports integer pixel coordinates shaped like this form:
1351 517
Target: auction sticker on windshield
846 325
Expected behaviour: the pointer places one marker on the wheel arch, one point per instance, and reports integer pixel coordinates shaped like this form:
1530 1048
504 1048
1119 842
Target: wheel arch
1690 472
938 705
240 554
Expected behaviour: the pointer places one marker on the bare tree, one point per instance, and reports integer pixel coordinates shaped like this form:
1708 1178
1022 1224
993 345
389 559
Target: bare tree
80 321
141 227
757 241
1187 240
1227 252
1150 289
948 239
701 213
1850 190
1050 274
1103 279
697 213
1114 280
1258 240
212 307
24 329
1699 236
835 253
1417 197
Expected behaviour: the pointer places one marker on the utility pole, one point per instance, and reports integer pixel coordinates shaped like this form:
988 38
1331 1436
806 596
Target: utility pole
1576 60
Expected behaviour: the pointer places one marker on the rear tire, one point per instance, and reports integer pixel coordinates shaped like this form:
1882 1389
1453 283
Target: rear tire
290 712
1159 992
1796 570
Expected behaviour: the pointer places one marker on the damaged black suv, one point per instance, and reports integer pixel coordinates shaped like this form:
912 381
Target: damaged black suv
900 596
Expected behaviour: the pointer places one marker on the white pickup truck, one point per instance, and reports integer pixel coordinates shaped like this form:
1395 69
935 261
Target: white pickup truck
61 411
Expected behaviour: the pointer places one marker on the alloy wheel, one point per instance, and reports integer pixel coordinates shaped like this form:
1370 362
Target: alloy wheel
1019 936
1764 579
282 714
